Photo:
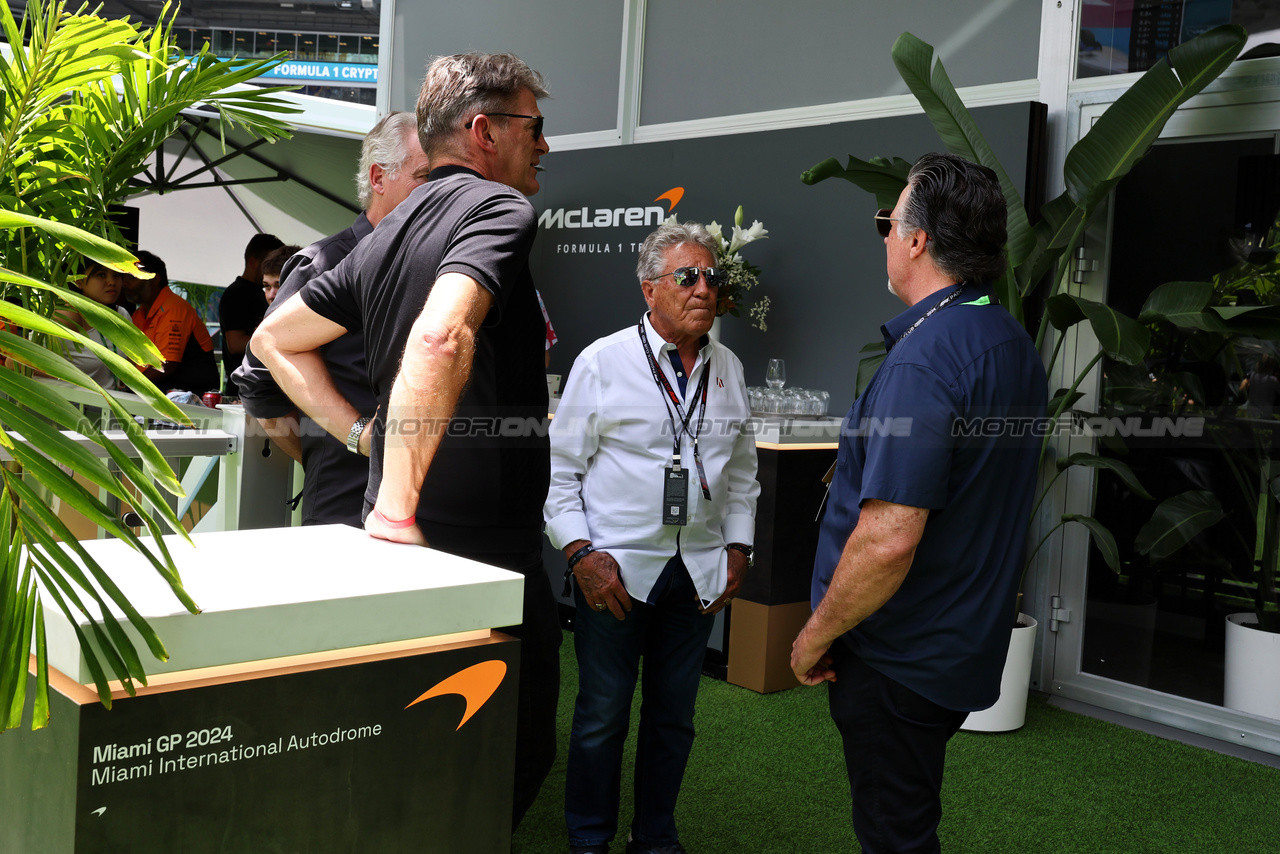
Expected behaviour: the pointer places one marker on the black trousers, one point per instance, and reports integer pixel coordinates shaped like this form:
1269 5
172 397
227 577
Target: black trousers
895 745
540 639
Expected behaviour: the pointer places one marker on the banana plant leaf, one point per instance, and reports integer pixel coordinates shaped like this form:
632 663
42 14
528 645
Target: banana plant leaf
868 366
1125 132
1102 538
1122 338
1117 467
884 179
1257 321
1072 397
933 89
1176 521
1185 305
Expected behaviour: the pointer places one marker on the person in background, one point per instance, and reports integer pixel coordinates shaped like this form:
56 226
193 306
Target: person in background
456 345
176 330
272 266
921 547
392 165
652 499
243 305
1262 386
101 285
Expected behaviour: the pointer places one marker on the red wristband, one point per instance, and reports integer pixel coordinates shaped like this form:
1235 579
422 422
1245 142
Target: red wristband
403 523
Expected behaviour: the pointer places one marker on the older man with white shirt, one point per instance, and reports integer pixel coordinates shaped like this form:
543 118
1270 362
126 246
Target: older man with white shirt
653 498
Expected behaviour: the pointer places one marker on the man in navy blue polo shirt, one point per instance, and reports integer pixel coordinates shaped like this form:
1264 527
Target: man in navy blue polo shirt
921 548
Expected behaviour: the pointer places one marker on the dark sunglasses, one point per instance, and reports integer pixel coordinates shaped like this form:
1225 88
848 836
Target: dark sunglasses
884 222
538 121
687 277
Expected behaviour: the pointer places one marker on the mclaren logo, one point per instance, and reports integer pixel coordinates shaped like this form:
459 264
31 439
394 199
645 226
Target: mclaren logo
585 217
475 684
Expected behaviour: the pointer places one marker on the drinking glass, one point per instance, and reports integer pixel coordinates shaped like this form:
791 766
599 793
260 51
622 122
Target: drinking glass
776 376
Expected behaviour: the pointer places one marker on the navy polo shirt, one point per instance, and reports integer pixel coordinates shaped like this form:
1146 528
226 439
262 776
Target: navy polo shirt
948 423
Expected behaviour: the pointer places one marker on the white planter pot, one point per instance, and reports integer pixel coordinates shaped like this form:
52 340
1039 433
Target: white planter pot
1010 711
1252 680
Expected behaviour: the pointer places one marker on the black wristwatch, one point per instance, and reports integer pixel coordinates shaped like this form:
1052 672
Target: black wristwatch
741 547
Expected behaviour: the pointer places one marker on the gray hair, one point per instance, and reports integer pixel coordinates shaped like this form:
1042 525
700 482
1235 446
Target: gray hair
649 264
466 84
960 205
385 146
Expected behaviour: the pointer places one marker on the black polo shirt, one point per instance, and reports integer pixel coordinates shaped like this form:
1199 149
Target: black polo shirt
948 423
241 308
335 478
488 479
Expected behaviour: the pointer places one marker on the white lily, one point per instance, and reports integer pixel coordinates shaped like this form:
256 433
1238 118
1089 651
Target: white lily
741 236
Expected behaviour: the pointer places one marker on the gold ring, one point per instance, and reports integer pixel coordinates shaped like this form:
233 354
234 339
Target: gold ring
599 606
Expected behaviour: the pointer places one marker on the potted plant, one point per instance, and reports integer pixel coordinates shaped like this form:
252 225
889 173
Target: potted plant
83 103
1040 255
1251 681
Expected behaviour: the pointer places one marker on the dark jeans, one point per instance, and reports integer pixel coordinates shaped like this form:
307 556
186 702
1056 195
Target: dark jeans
540 639
671 636
895 746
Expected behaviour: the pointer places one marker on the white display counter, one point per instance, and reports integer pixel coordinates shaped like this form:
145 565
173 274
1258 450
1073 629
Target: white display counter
277 592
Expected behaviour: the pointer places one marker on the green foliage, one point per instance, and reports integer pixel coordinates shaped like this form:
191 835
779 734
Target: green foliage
83 104
1176 521
1039 255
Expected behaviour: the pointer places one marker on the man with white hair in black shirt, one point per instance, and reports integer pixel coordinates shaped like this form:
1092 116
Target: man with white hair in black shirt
392 165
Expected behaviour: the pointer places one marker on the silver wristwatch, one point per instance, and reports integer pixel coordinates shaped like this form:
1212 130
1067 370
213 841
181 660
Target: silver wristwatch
357 430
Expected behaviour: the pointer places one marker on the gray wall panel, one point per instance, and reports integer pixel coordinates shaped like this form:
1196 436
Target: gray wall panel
703 58
823 263
576 45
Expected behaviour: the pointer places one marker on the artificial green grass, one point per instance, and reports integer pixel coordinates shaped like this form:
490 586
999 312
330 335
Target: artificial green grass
767 775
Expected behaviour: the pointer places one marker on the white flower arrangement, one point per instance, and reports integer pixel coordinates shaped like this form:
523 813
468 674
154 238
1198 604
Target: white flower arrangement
741 275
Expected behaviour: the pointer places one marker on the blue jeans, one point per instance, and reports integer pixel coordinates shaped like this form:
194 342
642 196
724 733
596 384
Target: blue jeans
671 635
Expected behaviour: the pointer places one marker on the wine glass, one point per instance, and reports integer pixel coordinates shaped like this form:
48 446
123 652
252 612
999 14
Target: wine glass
776 376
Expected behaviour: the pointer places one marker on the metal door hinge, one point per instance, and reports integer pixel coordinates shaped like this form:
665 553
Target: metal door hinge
1083 266
1057 613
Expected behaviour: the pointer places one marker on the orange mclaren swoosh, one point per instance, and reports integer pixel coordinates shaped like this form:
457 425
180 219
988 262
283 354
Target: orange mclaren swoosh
674 195
476 684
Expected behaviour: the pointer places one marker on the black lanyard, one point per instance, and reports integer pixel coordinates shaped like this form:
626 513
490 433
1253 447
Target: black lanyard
670 397
946 301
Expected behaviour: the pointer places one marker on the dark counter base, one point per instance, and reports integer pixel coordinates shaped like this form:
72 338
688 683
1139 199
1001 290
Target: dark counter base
338 758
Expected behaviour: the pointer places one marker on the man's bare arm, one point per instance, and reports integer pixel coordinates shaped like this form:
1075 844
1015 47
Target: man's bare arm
434 371
872 566
235 340
288 342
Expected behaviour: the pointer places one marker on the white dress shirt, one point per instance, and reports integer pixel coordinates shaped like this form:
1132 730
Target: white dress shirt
611 441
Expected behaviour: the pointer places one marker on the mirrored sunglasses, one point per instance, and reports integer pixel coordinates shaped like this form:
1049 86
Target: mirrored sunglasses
687 277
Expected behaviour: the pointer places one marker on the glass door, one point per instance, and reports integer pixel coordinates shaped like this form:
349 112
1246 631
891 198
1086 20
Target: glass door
1197 425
